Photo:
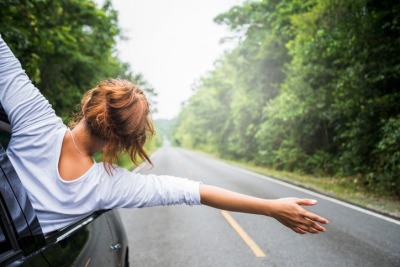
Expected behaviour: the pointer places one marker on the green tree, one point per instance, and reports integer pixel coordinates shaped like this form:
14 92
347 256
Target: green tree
66 47
310 87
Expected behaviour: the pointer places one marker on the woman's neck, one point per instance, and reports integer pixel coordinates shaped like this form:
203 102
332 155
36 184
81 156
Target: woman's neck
85 142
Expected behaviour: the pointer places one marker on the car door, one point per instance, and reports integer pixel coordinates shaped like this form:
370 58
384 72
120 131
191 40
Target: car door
119 237
20 232
11 253
85 243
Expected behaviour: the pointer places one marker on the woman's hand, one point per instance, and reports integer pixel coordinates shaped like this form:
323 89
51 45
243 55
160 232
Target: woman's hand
289 212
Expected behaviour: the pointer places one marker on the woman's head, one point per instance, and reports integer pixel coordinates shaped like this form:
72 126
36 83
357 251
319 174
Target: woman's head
117 111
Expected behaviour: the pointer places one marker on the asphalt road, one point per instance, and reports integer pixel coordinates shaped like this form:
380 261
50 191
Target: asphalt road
202 236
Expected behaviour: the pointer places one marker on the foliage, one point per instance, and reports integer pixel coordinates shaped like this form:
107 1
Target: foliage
310 87
164 127
66 47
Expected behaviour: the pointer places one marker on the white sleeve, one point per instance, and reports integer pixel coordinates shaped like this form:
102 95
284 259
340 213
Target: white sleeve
21 100
137 191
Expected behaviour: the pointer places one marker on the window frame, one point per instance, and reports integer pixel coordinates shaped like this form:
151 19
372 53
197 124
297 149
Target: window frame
14 251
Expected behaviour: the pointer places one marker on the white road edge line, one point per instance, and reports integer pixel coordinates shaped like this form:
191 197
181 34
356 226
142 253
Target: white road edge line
348 205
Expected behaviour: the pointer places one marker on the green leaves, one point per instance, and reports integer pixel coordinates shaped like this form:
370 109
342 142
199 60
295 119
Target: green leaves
66 47
312 86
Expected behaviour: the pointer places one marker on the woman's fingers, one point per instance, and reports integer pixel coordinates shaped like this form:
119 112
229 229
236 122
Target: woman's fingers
306 202
313 217
309 221
299 231
303 226
309 215
313 226
297 218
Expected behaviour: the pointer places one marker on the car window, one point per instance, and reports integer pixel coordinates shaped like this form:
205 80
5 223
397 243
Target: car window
5 128
5 243
8 245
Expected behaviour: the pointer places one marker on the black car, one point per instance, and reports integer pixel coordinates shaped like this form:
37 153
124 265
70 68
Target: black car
97 240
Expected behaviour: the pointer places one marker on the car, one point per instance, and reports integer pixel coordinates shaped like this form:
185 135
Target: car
97 240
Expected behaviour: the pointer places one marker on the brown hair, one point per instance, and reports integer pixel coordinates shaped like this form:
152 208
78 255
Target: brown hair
116 110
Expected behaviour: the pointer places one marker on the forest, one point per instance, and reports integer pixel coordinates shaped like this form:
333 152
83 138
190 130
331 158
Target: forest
311 87
66 47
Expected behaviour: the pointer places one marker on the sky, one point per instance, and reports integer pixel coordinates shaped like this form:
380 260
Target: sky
172 43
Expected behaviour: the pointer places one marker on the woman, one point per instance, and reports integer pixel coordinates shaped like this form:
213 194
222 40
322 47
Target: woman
56 167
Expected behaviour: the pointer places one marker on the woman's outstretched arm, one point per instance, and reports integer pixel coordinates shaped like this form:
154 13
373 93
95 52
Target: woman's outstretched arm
287 211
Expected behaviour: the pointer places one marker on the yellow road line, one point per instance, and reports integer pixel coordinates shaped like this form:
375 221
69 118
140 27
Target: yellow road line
246 238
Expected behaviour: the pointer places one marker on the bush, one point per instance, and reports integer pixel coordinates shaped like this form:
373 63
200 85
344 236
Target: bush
385 177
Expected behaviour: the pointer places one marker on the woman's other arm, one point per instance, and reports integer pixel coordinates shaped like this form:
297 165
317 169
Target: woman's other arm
287 211
21 100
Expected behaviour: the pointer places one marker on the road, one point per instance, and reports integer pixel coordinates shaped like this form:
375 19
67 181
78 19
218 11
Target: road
203 236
